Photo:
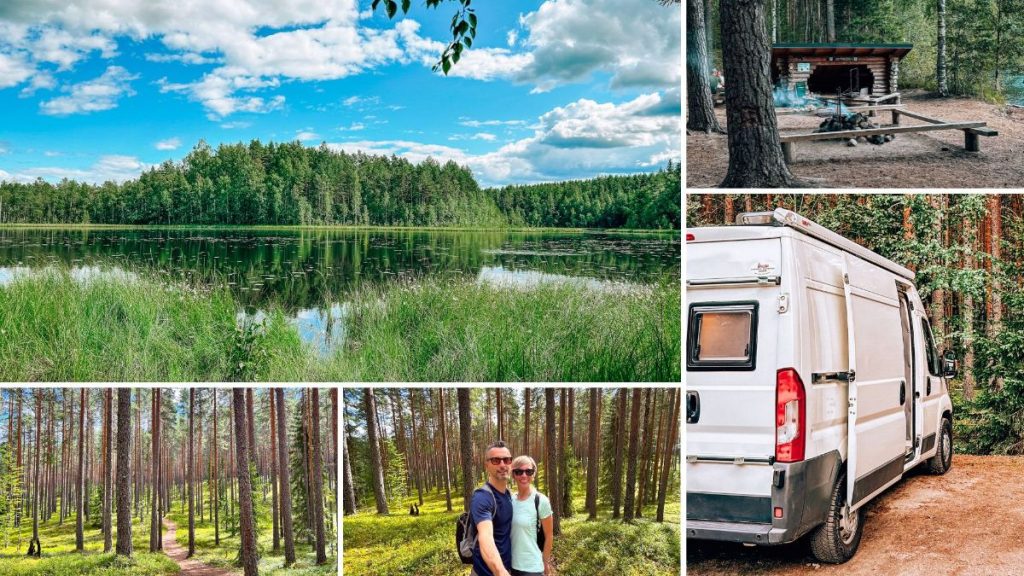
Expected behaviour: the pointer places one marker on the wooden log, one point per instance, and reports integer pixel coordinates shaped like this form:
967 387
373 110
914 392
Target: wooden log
846 134
971 143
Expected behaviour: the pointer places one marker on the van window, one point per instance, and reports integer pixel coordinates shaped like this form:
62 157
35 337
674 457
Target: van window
934 361
722 336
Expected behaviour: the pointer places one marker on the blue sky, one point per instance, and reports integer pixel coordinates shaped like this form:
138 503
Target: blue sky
102 89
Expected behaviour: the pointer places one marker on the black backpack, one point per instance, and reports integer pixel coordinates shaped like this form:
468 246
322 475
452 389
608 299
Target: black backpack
465 530
541 537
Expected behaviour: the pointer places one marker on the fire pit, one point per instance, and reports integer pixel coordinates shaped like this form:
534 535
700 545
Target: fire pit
854 121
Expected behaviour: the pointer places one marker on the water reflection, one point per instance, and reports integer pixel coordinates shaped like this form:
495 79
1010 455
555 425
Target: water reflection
307 272
527 279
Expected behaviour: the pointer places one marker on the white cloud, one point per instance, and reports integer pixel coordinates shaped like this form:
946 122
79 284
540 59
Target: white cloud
637 41
511 38
478 123
65 48
93 95
306 135
235 125
354 127
52 153
478 136
14 70
477 63
40 81
216 92
168 144
184 58
116 168
580 140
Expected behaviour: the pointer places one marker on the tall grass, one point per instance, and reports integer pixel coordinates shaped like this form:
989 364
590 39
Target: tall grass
55 328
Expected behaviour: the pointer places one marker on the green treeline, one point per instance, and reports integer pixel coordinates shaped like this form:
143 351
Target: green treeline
290 184
967 251
984 38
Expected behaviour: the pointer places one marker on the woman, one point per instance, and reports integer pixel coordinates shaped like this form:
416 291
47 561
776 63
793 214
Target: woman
527 557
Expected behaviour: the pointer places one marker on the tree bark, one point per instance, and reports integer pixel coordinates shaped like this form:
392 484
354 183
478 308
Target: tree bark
79 497
318 482
350 491
551 458
594 454
620 432
273 473
444 444
700 107
124 496
108 490
376 470
286 491
216 475
830 20
968 312
631 458
669 456
755 154
191 473
466 446
564 489
35 547
940 48
247 521
995 322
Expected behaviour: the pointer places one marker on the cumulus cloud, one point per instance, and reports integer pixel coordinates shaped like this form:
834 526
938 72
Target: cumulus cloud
216 91
14 69
184 58
168 144
115 168
637 41
93 95
579 140
306 135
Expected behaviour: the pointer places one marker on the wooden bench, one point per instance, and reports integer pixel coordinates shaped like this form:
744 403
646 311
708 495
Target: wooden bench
972 130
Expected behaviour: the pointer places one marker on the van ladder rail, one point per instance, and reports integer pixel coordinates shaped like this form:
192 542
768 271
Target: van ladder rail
739 460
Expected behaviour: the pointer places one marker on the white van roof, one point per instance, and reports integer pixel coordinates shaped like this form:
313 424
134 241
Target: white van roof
751 225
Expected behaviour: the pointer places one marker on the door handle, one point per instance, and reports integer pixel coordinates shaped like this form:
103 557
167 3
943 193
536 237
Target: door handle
692 407
903 392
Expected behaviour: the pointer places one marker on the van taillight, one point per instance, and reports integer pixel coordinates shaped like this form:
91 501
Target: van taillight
790 416
690 237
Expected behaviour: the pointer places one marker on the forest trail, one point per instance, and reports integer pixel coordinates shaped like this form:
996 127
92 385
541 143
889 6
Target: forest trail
965 523
189 567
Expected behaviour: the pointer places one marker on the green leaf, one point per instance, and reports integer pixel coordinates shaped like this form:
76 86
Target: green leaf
446 65
468 42
375 4
472 20
462 28
405 6
392 8
455 56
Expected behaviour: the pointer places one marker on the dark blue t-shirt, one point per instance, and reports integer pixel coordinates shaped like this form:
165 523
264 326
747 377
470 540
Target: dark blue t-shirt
482 508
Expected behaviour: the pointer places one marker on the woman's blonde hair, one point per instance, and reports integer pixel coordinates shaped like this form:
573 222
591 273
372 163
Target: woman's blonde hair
524 459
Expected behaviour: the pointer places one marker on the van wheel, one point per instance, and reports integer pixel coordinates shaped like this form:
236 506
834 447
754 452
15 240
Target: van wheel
943 459
837 539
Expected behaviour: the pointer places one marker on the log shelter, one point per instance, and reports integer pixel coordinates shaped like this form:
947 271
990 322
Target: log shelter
824 69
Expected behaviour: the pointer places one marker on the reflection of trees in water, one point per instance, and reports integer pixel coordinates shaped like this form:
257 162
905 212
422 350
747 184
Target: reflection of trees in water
309 268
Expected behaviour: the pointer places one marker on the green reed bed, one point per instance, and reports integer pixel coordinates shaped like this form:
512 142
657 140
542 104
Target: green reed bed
53 327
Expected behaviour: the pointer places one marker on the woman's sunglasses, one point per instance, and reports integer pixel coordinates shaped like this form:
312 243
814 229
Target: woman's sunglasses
520 471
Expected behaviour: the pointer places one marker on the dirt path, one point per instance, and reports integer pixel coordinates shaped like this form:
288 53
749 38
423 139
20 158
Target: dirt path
189 567
966 523
921 160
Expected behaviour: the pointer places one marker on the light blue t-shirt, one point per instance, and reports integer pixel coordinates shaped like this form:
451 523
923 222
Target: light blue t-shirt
526 556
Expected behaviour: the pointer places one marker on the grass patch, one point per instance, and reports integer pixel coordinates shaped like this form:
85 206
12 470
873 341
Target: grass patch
55 328
398 544
60 559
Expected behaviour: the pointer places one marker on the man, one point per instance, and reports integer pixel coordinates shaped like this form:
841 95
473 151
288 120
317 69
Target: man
491 508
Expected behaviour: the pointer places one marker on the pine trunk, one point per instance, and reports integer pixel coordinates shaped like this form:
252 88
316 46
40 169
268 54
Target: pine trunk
124 497
593 457
444 443
628 511
247 521
317 503
376 470
620 432
940 47
700 107
466 446
755 154
286 491
669 456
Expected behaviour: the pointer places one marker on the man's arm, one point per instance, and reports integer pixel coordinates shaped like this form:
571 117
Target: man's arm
489 551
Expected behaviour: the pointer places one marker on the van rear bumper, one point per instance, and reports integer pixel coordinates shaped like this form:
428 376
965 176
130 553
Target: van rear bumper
800 497
737 532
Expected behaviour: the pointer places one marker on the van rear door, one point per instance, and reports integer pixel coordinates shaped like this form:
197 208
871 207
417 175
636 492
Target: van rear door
732 332
876 427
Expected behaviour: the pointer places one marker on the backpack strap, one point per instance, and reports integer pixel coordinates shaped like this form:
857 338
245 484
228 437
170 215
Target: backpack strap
494 500
536 507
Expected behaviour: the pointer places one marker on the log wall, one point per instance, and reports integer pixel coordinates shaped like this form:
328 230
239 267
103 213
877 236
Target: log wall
884 73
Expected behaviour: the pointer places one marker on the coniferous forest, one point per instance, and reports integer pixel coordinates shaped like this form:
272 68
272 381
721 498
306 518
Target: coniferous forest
160 481
290 184
967 252
606 458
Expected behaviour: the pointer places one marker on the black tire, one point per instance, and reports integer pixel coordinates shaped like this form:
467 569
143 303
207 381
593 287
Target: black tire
943 459
836 541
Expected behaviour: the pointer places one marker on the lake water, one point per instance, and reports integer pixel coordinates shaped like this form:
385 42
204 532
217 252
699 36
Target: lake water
309 272
1015 89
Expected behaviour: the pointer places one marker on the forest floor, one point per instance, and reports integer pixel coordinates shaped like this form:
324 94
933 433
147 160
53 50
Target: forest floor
915 160
424 545
964 523
189 566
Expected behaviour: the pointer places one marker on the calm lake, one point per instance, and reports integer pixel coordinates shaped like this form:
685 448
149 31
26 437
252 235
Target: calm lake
309 272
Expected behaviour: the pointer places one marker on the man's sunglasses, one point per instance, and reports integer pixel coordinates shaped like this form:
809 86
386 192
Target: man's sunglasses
502 460
520 472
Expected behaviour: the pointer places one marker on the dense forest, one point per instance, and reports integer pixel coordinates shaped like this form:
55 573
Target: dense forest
288 184
968 254
215 475
616 452
983 40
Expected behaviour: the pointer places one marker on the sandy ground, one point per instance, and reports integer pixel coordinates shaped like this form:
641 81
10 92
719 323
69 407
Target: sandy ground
917 160
176 552
965 523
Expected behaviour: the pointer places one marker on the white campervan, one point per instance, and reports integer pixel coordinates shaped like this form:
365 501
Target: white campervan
813 383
